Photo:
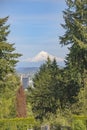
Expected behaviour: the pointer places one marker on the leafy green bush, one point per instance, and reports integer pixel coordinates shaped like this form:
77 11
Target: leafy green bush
18 123
79 125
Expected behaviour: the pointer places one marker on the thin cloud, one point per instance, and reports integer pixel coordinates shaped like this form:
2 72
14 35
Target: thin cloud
46 17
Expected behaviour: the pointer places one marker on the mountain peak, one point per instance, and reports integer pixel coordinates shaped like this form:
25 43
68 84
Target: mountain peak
42 56
43 53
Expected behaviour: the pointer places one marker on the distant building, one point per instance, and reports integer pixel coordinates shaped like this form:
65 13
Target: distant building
26 81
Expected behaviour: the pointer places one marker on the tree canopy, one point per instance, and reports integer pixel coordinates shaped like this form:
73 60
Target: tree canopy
9 81
8 57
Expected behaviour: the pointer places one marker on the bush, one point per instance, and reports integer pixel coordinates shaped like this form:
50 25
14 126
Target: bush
79 125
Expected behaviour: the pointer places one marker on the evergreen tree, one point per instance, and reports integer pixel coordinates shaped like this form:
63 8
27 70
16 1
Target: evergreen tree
8 58
43 96
76 33
52 90
9 81
75 17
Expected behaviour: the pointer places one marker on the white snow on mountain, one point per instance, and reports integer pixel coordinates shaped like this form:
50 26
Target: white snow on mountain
42 56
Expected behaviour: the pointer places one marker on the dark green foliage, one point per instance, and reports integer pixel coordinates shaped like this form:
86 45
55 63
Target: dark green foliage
44 95
75 26
69 89
52 90
8 58
76 34
9 81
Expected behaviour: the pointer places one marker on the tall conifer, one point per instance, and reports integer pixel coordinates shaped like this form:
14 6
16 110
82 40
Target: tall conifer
75 17
75 26
8 58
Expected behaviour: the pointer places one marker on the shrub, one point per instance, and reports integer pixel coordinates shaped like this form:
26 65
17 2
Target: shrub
79 125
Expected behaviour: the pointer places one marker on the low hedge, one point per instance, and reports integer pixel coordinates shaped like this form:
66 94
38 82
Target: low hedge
18 124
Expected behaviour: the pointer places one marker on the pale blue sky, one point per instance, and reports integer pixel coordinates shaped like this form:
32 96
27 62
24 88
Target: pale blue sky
35 26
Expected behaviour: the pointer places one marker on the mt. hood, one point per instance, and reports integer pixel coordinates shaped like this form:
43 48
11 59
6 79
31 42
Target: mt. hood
42 56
